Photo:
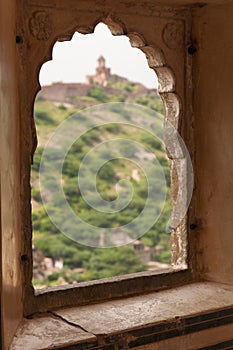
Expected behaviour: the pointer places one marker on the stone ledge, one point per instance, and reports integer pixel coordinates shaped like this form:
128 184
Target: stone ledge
99 291
50 332
130 322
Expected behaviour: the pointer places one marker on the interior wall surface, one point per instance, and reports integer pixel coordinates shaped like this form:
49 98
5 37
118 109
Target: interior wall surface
213 130
11 286
211 122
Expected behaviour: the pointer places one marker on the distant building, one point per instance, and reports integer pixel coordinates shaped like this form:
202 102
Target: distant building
44 266
68 94
102 74
144 252
58 264
39 266
49 265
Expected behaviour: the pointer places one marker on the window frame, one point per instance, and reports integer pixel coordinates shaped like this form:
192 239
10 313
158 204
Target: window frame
173 94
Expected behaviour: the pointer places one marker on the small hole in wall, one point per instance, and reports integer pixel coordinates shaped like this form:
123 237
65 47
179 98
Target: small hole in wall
18 39
24 257
192 49
193 226
99 165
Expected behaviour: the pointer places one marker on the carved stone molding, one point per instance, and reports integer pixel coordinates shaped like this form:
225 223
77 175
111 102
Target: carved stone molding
40 25
173 34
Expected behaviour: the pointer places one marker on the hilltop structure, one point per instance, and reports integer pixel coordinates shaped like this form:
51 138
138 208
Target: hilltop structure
67 93
102 74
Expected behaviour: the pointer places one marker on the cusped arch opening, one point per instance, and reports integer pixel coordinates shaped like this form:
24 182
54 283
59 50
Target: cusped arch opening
157 62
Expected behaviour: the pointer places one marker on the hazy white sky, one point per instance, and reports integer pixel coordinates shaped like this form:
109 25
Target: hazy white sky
73 60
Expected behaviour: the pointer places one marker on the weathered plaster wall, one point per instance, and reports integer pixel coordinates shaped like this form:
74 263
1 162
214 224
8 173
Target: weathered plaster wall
213 129
213 112
11 299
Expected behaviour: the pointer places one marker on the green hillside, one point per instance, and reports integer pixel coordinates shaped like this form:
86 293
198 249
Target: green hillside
83 262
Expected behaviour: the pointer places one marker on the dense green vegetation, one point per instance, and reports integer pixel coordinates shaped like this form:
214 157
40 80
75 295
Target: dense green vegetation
82 262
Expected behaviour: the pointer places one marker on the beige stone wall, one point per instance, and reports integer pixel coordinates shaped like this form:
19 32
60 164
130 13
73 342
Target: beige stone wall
213 130
11 287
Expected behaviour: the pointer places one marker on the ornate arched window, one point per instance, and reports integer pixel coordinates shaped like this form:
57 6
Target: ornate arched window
166 56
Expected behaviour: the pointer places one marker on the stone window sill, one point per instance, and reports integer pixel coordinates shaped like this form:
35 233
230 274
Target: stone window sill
133 322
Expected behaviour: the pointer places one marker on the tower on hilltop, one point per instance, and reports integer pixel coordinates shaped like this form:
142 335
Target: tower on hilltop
101 61
102 74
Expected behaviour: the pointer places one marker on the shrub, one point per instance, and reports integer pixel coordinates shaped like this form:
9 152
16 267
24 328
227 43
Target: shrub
98 93
62 107
43 118
151 141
